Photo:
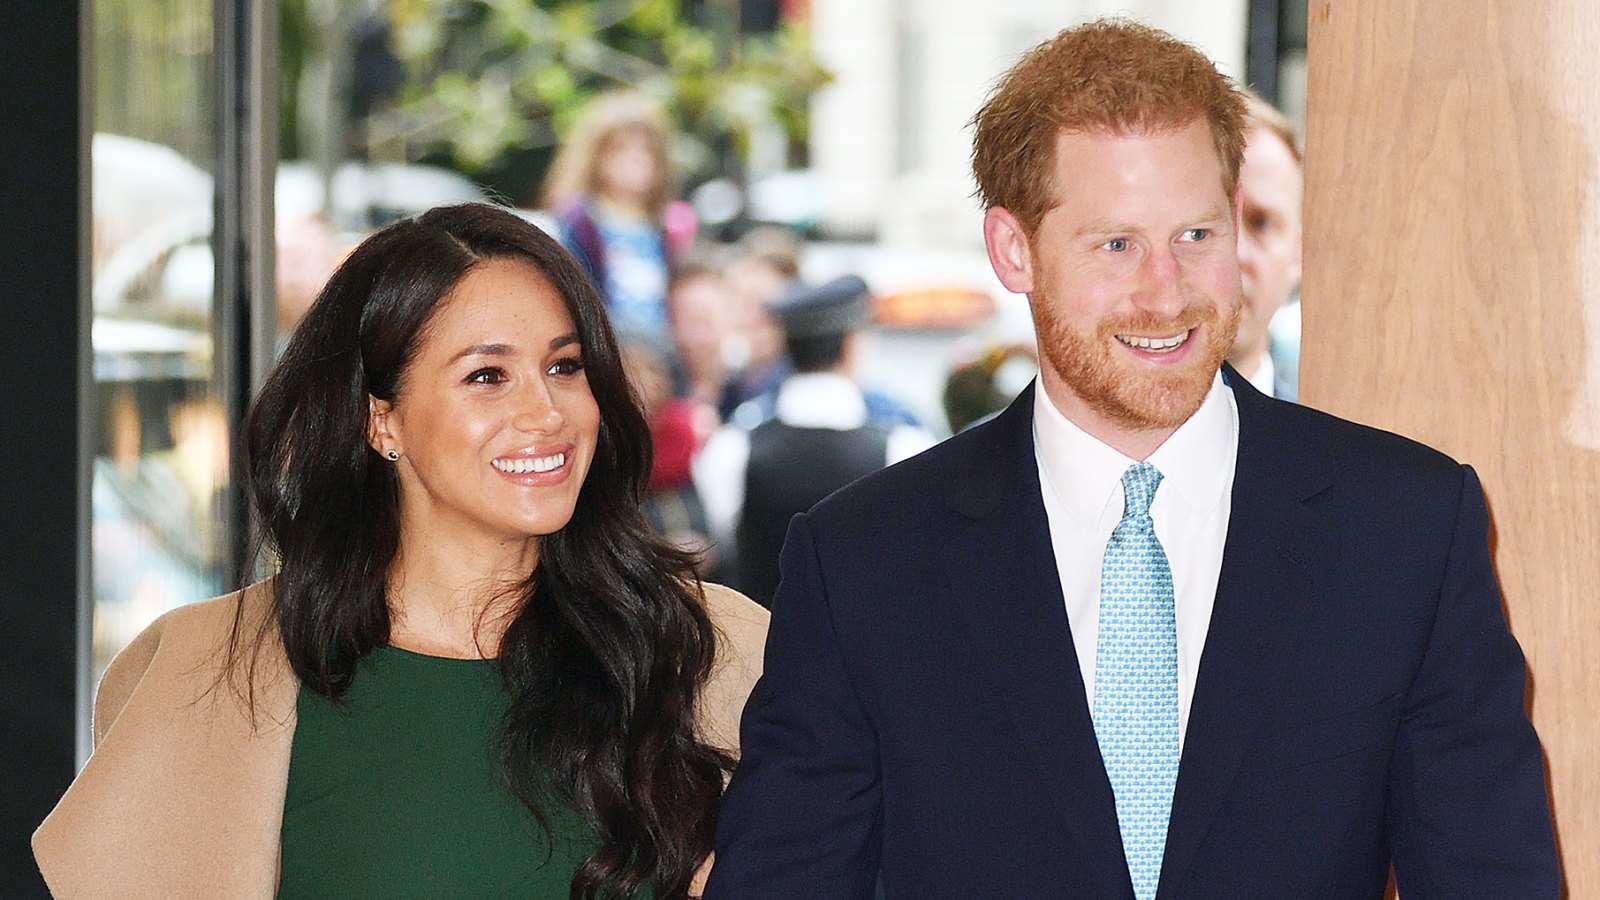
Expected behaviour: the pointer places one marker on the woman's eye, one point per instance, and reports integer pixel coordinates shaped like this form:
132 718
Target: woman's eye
570 365
487 375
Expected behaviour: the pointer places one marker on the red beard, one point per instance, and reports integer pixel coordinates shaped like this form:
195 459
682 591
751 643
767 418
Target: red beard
1134 397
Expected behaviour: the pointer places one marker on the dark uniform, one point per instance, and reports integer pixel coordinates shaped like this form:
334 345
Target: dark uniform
790 470
793 465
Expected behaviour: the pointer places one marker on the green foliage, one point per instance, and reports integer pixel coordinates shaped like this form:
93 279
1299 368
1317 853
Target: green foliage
489 79
153 71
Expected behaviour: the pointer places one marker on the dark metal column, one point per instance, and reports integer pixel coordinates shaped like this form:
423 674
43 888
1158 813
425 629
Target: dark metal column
45 380
245 321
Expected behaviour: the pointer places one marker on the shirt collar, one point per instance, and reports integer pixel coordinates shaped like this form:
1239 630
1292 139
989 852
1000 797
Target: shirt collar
821 400
1086 474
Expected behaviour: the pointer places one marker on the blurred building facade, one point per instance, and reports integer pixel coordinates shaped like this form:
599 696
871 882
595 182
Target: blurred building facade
890 141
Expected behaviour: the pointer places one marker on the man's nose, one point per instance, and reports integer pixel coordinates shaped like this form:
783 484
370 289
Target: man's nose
1161 288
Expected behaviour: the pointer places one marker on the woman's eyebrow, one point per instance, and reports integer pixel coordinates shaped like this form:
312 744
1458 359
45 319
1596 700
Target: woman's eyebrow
503 349
486 350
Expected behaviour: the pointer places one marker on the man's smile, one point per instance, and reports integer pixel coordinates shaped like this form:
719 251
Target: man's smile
1156 344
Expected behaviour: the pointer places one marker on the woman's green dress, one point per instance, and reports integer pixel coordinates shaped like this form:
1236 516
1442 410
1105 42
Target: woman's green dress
395 793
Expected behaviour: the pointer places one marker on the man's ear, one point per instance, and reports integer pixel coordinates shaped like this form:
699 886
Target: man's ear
1009 251
379 435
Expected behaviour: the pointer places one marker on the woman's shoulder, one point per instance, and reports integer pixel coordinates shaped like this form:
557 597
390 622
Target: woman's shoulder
743 619
741 629
194 638
180 797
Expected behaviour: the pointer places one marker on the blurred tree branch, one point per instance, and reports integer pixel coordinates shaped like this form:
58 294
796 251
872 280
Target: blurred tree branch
487 78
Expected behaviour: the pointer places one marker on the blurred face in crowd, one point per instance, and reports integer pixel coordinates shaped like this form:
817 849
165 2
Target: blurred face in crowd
1132 279
1269 240
699 307
493 418
756 285
628 171
648 375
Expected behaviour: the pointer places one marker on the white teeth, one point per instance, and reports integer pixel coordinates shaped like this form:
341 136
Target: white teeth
524 465
1157 344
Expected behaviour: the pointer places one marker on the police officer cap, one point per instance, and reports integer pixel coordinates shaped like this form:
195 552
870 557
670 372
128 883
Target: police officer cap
825 309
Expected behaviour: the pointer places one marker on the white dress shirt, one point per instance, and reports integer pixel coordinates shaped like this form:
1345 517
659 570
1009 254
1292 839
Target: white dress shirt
808 400
1081 479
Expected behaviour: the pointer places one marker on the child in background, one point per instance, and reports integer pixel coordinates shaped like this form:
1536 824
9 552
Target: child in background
610 190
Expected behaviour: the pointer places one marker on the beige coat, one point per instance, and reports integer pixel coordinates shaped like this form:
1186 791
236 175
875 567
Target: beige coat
183 797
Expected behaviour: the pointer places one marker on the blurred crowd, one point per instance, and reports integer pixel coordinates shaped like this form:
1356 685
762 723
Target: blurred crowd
747 374
751 377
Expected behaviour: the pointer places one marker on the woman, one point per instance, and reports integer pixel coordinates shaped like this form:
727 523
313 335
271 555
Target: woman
477 672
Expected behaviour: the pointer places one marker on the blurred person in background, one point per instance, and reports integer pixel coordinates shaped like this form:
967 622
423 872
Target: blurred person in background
477 672
154 502
610 187
678 428
820 438
700 303
764 270
1270 189
764 265
977 389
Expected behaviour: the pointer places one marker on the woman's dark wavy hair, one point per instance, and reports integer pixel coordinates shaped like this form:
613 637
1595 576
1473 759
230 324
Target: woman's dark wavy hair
610 644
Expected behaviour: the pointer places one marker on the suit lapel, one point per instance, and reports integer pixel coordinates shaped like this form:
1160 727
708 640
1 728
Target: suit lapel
1264 595
1002 571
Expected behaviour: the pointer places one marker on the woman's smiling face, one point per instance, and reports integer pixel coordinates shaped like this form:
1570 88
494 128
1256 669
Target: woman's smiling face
493 418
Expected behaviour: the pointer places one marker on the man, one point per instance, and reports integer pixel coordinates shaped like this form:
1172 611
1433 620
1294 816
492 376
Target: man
1269 242
1148 633
820 438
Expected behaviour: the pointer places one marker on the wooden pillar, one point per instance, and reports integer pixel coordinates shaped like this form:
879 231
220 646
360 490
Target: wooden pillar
1452 294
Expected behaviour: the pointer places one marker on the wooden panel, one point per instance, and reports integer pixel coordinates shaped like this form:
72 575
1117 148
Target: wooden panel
1451 275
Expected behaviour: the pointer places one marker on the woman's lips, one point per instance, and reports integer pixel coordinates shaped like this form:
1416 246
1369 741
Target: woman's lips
535 466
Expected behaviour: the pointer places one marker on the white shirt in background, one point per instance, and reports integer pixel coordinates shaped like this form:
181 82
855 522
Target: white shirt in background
809 400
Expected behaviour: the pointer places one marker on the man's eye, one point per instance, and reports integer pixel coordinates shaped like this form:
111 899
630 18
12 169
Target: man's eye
1116 245
487 375
1196 234
570 365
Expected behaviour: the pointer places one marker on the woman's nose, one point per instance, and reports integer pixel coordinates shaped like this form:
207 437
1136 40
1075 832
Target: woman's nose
537 410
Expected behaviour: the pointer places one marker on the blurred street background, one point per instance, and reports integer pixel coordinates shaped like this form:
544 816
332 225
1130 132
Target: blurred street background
802 141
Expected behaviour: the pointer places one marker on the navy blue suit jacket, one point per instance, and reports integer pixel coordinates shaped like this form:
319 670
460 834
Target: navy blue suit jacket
1359 701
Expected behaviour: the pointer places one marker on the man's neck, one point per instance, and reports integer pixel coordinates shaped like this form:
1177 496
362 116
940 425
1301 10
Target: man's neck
1248 363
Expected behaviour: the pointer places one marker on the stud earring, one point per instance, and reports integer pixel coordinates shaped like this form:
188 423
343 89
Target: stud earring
393 455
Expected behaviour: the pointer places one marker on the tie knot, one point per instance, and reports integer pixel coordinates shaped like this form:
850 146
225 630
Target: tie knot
1139 485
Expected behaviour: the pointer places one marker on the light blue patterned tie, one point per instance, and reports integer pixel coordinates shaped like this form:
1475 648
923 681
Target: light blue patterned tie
1136 680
